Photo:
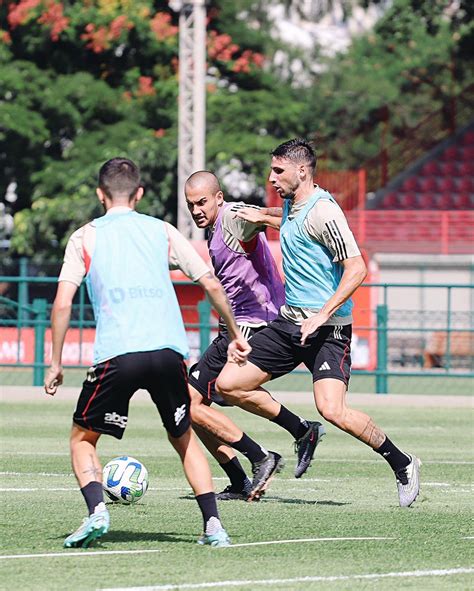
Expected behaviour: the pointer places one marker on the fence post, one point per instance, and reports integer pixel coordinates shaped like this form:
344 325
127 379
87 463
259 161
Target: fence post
40 307
382 350
204 310
23 292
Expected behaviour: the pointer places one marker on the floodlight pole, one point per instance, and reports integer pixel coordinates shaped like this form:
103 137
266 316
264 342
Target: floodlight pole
192 104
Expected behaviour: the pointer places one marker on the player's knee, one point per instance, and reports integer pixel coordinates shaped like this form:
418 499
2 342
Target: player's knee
331 412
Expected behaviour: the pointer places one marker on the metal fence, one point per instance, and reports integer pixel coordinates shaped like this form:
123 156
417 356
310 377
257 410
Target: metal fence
425 346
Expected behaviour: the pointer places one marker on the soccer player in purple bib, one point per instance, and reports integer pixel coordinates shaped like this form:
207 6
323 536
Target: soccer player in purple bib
243 263
323 267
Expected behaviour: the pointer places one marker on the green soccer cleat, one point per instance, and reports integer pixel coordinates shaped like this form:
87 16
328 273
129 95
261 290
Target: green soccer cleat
218 540
92 528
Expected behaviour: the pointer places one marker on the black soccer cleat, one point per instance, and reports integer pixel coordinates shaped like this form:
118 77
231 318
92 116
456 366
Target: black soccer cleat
306 446
230 493
263 472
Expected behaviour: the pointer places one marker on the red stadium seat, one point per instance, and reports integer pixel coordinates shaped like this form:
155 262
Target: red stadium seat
463 201
410 184
468 138
468 153
466 168
390 201
426 201
447 183
445 201
450 154
448 168
430 168
466 185
428 184
407 200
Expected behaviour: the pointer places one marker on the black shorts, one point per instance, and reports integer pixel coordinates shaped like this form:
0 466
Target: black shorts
327 353
106 392
203 374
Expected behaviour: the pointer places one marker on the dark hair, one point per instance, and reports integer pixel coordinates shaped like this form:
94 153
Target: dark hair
297 150
119 177
203 177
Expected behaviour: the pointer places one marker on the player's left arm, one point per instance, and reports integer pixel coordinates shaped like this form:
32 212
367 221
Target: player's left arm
327 224
60 316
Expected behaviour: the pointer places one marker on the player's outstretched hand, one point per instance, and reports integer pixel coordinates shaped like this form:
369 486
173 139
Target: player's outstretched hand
251 214
311 324
53 379
238 351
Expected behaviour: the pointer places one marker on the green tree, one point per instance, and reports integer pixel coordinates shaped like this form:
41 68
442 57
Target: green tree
85 81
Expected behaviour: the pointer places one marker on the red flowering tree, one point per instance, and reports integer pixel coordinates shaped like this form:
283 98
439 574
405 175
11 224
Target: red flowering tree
84 81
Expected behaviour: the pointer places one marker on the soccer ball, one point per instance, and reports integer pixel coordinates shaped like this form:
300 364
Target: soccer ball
125 480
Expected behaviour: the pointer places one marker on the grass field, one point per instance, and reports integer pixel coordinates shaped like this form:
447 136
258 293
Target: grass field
339 527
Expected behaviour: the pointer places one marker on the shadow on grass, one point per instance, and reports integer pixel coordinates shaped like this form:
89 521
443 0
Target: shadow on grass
303 501
273 499
118 536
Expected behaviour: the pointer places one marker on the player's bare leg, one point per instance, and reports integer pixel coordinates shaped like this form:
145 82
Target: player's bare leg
214 429
195 465
330 399
241 386
88 471
198 474
84 458
212 421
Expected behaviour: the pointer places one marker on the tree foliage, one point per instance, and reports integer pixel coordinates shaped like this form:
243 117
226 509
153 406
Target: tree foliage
81 82
409 66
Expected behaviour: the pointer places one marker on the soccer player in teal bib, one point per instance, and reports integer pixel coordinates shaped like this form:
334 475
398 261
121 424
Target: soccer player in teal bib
323 267
140 340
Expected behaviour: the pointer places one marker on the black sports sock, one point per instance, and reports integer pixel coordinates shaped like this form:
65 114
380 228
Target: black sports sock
394 456
249 448
236 473
294 424
93 495
208 505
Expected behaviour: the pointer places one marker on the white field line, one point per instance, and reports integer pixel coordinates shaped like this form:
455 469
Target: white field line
350 539
83 553
329 460
70 474
58 489
60 554
10 490
253 583
80 554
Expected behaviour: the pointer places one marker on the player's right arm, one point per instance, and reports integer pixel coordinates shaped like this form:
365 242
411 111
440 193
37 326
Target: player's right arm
182 255
261 216
70 278
60 316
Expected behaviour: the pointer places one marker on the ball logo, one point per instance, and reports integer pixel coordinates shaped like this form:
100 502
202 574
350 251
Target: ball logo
115 419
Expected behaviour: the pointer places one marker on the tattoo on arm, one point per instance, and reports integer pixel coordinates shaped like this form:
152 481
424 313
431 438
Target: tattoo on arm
372 435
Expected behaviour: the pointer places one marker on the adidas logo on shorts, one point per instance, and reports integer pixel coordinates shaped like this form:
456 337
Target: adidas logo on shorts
325 366
195 374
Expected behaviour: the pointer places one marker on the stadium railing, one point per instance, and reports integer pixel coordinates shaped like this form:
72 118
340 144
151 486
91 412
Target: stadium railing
394 349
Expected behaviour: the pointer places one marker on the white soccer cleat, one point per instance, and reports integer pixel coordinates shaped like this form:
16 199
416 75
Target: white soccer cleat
408 482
